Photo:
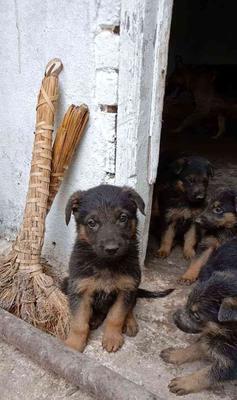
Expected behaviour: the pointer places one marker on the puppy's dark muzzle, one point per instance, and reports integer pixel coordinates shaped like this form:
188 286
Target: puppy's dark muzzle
111 249
184 322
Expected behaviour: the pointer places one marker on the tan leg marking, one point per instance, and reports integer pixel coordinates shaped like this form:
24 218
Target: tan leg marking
195 267
167 241
221 126
113 338
192 383
190 240
79 330
178 356
131 326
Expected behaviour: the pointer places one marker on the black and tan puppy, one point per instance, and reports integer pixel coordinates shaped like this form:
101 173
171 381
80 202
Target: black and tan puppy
212 311
181 193
219 223
104 270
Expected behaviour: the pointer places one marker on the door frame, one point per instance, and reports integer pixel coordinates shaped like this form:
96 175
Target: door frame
144 44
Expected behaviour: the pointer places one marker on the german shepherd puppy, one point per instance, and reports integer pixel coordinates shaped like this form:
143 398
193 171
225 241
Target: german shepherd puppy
104 270
181 192
213 88
211 310
219 223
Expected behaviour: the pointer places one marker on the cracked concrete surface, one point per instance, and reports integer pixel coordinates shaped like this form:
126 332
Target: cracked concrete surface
21 379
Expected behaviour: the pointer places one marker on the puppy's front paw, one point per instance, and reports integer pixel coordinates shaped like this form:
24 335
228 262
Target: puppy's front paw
131 327
187 278
170 355
76 342
180 386
162 253
189 253
112 341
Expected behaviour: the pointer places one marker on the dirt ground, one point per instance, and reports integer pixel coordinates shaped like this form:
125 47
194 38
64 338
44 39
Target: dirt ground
139 359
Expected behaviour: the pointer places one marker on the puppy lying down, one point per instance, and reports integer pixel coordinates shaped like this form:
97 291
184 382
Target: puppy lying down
104 269
211 310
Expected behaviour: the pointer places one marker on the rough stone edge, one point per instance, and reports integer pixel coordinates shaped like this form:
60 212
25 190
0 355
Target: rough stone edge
76 368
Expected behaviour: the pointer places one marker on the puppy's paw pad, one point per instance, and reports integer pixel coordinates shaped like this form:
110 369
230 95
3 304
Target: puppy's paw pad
189 253
112 342
162 253
187 279
167 355
179 386
131 328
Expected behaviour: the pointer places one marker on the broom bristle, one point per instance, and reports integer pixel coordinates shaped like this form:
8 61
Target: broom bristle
66 141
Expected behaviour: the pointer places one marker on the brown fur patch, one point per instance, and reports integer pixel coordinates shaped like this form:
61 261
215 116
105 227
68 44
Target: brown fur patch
230 302
106 281
178 356
133 227
130 327
211 241
167 241
192 383
194 307
214 329
82 233
180 186
174 214
113 339
228 220
195 267
79 330
190 241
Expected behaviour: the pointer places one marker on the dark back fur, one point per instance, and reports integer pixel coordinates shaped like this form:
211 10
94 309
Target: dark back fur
211 307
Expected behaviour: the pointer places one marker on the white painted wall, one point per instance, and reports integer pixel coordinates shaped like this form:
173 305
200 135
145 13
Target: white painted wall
31 33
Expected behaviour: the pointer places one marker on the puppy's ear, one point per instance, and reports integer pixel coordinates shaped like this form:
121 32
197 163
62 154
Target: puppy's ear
228 310
178 165
210 170
72 205
136 198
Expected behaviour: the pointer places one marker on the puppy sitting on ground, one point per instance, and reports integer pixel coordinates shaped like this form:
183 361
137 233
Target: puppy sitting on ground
104 270
219 223
212 311
181 192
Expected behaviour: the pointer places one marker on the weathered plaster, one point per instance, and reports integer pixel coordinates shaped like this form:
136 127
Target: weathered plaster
32 32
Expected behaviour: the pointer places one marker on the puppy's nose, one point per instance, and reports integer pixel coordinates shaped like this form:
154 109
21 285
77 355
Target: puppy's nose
111 249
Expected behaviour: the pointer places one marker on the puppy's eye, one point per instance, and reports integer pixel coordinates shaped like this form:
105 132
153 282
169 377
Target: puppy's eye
217 210
196 316
123 218
92 223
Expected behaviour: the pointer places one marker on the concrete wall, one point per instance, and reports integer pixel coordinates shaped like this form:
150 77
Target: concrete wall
31 33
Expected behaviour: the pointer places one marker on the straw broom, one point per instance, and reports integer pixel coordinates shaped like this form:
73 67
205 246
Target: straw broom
67 139
25 289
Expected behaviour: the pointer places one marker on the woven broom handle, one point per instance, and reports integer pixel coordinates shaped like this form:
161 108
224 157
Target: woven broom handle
54 67
31 235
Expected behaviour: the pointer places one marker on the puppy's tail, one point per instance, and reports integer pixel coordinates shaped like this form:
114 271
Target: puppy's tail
64 285
147 294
